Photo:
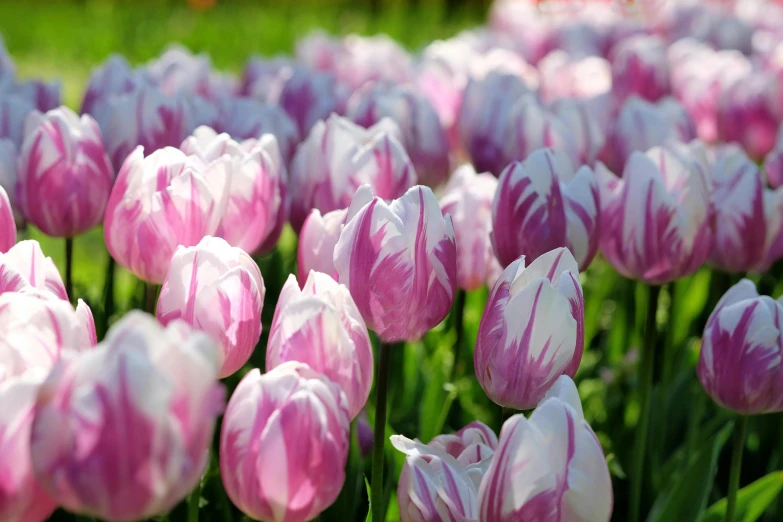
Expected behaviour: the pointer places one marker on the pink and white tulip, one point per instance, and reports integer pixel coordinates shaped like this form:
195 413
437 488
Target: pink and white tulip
550 205
113 77
7 223
338 157
14 110
179 71
740 365
588 120
159 203
548 467
532 330
24 265
284 444
422 134
640 67
400 263
467 198
473 444
565 76
65 176
158 383
320 325
257 206
657 220
22 499
8 168
773 162
218 289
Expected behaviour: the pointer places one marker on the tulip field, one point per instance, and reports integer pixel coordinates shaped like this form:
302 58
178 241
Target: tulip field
285 262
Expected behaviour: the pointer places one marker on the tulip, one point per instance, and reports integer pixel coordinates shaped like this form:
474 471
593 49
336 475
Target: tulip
24 265
160 202
338 157
588 120
422 134
21 497
64 174
257 204
7 223
671 235
640 67
178 71
8 160
473 444
749 114
38 328
550 466
114 77
532 330
564 76
14 109
218 289
467 198
551 205
484 117
399 262
320 325
434 486
284 444
158 384
641 125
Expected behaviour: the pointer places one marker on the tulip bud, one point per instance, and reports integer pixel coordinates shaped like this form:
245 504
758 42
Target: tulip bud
532 330
422 134
22 497
657 220
433 486
24 265
551 206
773 163
551 463
749 114
473 444
284 444
160 202
158 384
178 71
14 109
321 326
64 173
588 119
7 224
468 200
218 289
740 366
399 261
338 157
114 77
257 205
640 67
565 76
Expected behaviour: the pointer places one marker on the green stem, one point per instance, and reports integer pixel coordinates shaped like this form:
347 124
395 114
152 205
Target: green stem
381 387
740 429
193 500
150 297
458 311
646 368
669 350
69 267
108 294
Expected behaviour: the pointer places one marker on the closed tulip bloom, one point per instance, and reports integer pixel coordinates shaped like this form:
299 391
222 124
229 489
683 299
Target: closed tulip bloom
640 67
7 223
64 173
38 329
157 383
473 444
399 261
320 325
565 76
532 126
159 203
548 467
422 134
467 198
115 76
320 233
749 114
257 205
284 444
218 289
657 220
179 71
773 162
24 265
542 204
532 330
338 157
14 109
22 499
740 365
434 486
588 120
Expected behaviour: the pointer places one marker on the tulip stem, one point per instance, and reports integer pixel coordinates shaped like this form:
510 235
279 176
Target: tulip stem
459 316
108 294
740 429
379 439
646 369
150 297
69 267
193 501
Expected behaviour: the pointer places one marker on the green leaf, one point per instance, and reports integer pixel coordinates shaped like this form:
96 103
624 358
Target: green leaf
752 500
368 518
686 498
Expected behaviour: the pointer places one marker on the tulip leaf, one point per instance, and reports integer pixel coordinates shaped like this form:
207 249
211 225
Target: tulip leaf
368 518
686 498
752 500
